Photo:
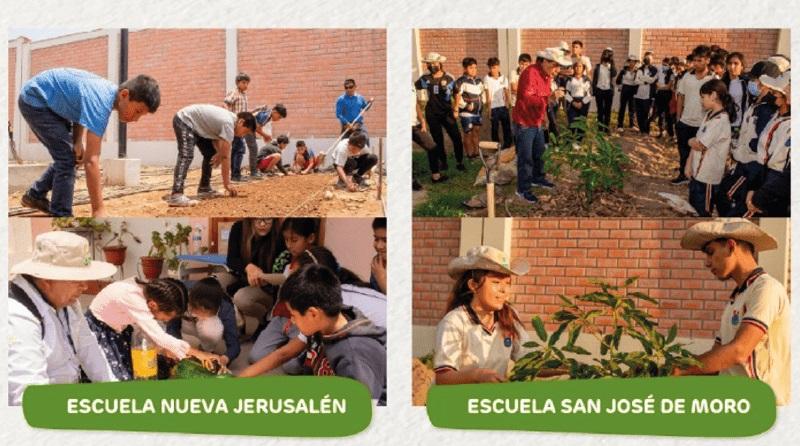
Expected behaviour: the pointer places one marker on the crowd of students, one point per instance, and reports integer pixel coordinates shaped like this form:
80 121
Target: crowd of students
65 107
305 312
731 126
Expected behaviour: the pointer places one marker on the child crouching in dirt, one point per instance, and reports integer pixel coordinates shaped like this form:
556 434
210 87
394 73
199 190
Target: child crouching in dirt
481 331
351 163
270 156
211 129
305 161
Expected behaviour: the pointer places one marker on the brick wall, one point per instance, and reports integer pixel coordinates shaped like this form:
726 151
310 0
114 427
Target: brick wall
12 70
189 65
594 41
565 253
305 69
755 44
456 44
435 243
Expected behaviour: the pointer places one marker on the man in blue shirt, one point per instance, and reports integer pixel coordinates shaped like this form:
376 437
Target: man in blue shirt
349 106
63 106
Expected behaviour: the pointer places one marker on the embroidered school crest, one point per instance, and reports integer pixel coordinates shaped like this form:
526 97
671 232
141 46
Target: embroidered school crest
735 318
507 341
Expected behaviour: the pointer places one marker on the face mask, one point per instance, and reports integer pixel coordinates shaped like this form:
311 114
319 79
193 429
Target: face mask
433 69
752 88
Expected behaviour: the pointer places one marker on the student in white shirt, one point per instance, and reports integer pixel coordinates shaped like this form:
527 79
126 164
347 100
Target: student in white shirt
710 147
49 341
603 87
498 99
626 80
645 78
578 96
690 111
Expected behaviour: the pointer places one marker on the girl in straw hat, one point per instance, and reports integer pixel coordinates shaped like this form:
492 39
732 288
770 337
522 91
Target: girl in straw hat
481 332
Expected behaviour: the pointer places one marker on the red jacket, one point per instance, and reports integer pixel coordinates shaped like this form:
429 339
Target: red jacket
533 92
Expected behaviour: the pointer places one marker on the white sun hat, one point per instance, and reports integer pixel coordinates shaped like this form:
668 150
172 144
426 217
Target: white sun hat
61 255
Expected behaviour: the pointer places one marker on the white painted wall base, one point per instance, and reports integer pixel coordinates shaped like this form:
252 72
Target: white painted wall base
122 172
21 176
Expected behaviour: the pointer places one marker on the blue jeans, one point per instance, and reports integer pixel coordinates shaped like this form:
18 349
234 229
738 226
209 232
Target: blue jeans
55 133
530 149
237 155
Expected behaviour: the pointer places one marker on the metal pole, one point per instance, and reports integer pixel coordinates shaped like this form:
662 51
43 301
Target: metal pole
122 151
380 167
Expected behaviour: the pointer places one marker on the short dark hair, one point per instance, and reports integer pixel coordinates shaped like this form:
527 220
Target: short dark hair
282 139
300 143
143 88
468 61
242 76
249 120
313 286
349 82
207 294
358 139
524 57
281 109
717 60
701 51
577 42
492 62
300 226
378 223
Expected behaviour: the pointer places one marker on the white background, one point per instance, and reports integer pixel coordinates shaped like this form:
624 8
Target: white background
399 423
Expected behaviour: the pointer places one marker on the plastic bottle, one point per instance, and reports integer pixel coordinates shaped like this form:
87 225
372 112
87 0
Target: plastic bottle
143 357
197 240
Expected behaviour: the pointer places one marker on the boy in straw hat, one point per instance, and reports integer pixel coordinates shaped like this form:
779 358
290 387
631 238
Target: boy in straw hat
753 339
481 333
49 340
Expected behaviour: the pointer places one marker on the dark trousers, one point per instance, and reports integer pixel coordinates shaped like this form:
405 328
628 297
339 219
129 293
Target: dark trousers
237 155
360 164
574 113
684 133
187 139
530 149
604 98
626 101
703 197
500 119
55 133
731 201
643 115
435 125
662 113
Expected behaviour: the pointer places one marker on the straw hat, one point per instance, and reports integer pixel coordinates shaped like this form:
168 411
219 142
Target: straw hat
555 55
779 83
741 229
61 255
486 258
434 57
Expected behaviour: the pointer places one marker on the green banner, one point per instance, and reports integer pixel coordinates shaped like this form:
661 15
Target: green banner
289 406
701 406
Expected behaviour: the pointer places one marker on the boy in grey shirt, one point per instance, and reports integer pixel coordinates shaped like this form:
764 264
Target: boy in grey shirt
211 129
351 162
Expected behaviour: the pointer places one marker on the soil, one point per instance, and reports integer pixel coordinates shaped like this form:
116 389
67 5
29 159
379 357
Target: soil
313 195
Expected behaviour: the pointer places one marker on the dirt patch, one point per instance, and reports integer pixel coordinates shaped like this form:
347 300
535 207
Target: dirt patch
312 195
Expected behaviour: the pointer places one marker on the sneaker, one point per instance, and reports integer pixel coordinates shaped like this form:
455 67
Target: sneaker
256 176
460 166
181 201
40 204
442 178
680 180
239 179
527 197
209 193
415 185
543 184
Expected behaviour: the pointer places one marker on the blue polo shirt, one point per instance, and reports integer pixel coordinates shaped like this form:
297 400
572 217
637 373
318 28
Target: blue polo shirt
75 95
348 107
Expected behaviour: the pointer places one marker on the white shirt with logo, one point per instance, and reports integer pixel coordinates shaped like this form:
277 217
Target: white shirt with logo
715 134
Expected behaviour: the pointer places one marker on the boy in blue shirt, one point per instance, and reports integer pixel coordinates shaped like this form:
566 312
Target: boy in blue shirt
63 106
349 106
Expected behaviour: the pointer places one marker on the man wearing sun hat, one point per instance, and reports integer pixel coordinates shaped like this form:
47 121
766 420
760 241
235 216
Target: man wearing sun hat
754 335
49 341
533 93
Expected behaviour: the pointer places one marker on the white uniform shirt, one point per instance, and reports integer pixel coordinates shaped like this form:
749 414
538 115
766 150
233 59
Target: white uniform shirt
514 79
50 360
603 77
496 87
462 344
764 304
579 88
774 142
689 87
340 153
122 304
715 134
741 152
629 77
644 80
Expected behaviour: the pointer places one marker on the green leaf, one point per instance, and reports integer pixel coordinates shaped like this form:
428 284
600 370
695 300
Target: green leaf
631 280
673 333
531 344
538 326
574 332
643 296
557 334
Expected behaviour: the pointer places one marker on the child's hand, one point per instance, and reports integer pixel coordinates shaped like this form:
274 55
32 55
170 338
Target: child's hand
485 376
78 150
352 187
231 190
215 161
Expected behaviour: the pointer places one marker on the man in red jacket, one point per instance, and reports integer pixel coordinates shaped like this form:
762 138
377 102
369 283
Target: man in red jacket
530 115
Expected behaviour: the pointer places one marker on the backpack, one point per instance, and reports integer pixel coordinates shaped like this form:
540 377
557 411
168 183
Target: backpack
18 294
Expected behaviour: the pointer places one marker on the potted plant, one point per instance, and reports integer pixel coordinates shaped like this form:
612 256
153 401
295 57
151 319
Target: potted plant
115 254
165 249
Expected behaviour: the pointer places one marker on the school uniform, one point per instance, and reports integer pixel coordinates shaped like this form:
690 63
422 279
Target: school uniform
603 90
627 79
470 108
761 302
737 88
499 111
692 115
708 166
580 90
774 149
439 116
645 78
662 98
463 343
